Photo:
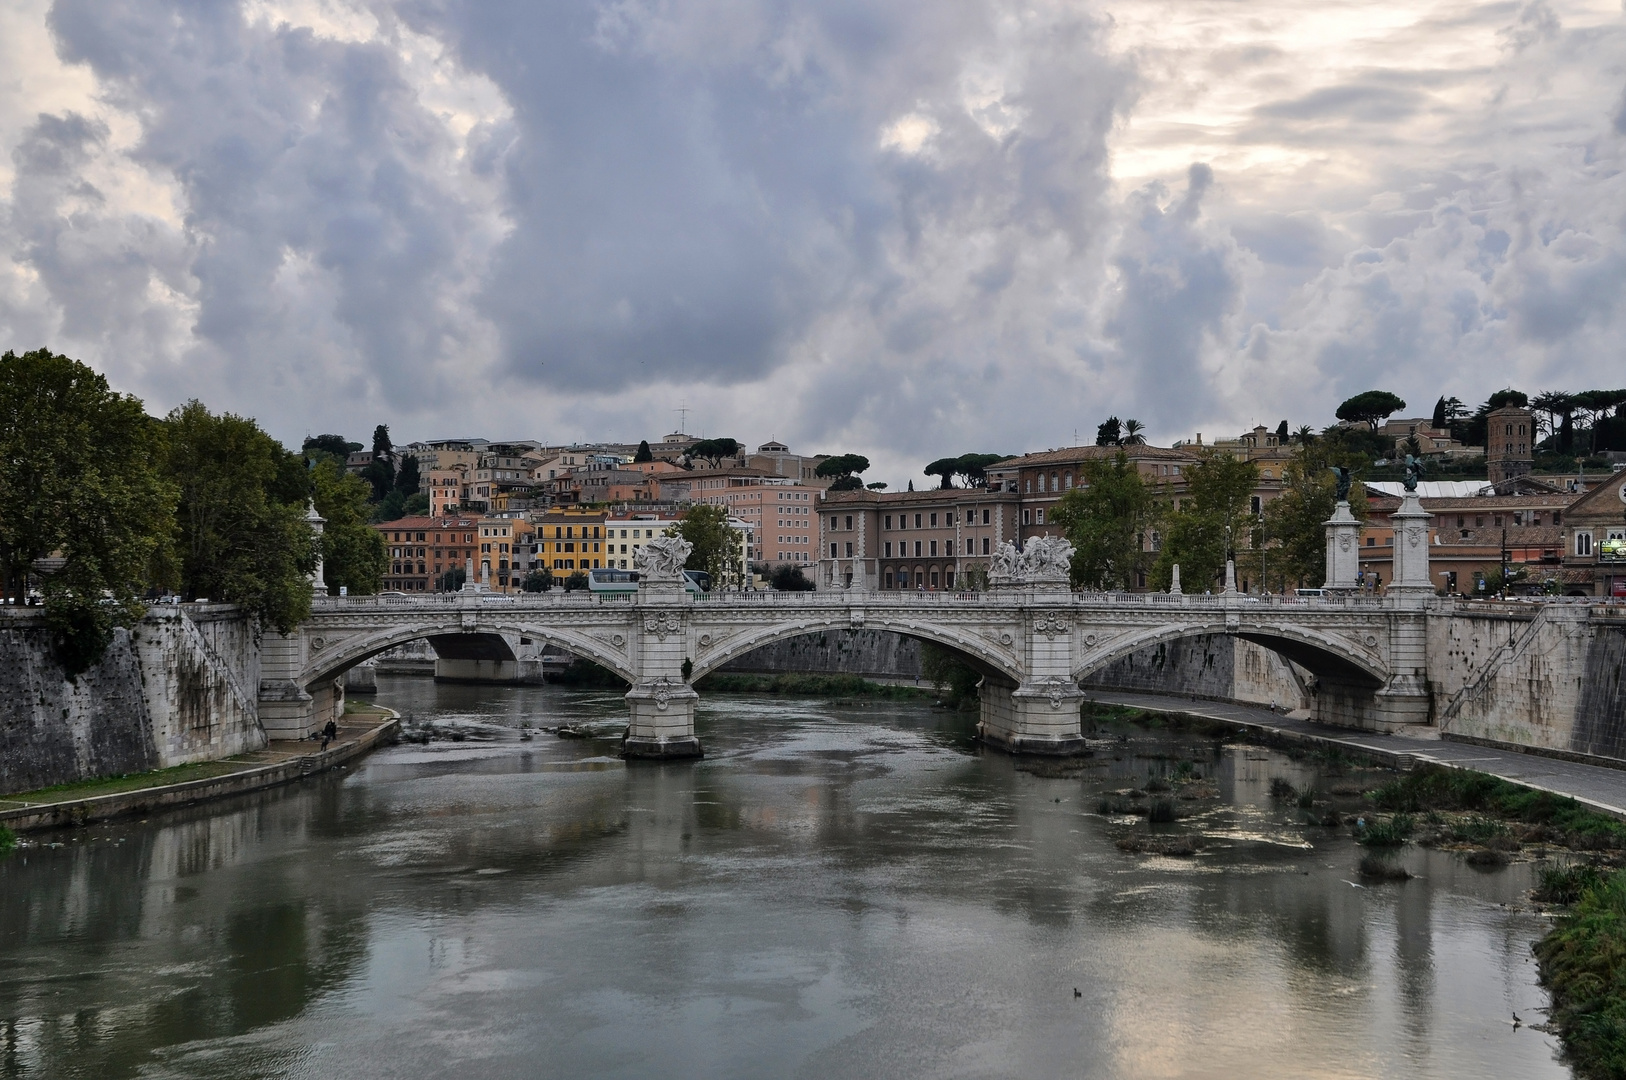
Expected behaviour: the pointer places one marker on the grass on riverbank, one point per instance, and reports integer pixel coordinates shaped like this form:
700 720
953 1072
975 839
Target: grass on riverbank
114 785
1434 787
1583 964
820 686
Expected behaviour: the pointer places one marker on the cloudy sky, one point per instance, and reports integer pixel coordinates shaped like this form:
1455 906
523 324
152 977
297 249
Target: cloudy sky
909 229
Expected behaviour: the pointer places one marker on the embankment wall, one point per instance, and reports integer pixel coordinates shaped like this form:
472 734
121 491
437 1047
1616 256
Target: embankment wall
180 686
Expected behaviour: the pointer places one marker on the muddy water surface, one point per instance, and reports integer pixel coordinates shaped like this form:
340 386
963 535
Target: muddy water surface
835 891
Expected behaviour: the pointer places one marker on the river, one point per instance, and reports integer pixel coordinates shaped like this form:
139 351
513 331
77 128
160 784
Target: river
835 891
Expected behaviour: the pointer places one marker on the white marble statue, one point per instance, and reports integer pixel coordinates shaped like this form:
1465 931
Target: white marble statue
1005 565
662 558
1047 559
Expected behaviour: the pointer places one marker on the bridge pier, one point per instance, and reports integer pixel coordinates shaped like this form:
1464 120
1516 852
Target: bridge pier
661 726
1039 717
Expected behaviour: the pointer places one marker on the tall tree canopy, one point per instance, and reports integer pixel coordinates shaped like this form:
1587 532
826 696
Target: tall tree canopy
717 547
243 501
1106 518
1109 433
353 552
78 480
1213 513
1294 540
1370 408
714 451
644 453
971 468
846 469
337 445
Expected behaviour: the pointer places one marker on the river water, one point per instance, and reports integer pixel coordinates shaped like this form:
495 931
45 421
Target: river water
835 891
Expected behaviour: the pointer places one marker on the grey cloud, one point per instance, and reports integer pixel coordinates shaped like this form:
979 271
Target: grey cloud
1178 286
1356 102
1619 119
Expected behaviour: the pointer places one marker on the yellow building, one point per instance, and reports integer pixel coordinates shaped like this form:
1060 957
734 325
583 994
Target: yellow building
568 541
504 552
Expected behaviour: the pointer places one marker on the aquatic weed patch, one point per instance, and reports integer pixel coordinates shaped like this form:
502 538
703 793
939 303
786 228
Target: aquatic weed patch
1583 964
1436 788
8 841
1385 832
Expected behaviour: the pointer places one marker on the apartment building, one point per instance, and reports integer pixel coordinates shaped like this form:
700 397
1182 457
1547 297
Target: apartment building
423 549
778 517
928 540
570 540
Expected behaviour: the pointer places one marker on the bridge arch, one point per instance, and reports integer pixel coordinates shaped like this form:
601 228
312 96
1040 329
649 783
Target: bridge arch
347 653
986 658
1324 655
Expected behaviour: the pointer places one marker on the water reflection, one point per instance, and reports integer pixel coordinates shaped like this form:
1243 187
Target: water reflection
834 891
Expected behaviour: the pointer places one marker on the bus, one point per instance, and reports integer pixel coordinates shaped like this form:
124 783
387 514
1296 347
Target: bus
626 581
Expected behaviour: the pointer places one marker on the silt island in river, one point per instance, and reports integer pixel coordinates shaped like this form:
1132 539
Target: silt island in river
844 886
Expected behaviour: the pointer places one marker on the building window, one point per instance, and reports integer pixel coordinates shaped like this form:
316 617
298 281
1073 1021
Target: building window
1258 504
832 551
948 579
934 521
889 521
985 517
1027 517
918 546
934 548
970 546
934 577
889 579
985 545
888 546
917 521
849 523
1583 543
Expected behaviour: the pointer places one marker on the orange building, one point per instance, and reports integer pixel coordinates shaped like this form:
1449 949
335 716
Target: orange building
423 549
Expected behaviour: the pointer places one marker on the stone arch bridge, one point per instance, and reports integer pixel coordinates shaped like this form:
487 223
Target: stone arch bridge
1032 646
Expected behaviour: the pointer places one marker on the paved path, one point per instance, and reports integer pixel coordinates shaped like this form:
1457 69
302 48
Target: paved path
1598 786
279 762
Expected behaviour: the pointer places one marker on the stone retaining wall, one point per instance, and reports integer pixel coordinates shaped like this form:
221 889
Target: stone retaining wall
180 686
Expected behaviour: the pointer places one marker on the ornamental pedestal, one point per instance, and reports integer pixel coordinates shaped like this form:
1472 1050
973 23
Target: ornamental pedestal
1343 549
1411 574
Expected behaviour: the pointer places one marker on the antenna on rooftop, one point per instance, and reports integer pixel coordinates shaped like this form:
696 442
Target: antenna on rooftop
683 417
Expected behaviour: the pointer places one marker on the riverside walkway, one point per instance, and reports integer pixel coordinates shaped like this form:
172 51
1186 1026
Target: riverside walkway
280 762
1599 786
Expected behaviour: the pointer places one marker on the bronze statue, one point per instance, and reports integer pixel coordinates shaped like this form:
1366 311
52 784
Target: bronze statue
1414 472
1344 480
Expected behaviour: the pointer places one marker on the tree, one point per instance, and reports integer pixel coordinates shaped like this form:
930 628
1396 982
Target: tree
787 577
538 581
78 480
1211 520
1105 518
1109 433
717 548
337 445
1281 434
1305 435
876 485
380 472
1297 544
408 480
1370 408
845 468
354 555
1438 420
974 467
243 501
945 468
949 675
713 450
1134 433
453 579
576 582
644 453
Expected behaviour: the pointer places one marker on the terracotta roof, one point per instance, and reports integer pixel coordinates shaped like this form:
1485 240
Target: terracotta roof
459 522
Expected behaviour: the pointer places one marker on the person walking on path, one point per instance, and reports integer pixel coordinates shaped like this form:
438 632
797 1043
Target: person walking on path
329 733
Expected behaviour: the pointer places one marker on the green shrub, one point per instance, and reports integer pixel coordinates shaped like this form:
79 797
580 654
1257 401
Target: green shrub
1583 964
1282 790
1434 787
8 840
1387 833
1566 884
